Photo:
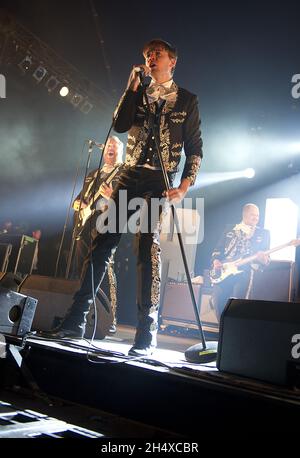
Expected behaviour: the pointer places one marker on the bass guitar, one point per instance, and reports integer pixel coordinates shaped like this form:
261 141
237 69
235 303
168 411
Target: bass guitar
232 267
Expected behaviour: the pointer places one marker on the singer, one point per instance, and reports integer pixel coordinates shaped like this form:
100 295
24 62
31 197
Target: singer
177 125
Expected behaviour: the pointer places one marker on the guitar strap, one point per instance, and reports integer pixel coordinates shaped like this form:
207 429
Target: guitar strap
87 193
92 183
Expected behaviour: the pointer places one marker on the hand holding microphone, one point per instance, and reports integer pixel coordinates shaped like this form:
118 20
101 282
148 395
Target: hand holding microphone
136 76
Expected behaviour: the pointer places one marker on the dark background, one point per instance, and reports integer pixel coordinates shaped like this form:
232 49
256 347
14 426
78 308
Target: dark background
238 58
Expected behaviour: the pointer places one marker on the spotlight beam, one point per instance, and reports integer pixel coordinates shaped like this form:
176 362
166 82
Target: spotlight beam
208 179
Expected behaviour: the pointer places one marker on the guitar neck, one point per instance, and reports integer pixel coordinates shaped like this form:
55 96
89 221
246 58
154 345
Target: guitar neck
277 248
112 175
244 261
107 181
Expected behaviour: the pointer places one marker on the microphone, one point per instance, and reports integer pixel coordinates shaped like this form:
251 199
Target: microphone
141 73
94 143
139 69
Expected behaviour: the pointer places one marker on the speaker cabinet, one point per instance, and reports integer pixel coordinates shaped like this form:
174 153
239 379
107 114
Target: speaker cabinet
277 282
55 296
16 312
256 339
178 310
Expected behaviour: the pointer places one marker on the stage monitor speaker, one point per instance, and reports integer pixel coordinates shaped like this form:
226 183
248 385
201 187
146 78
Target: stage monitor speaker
16 312
258 339
55 296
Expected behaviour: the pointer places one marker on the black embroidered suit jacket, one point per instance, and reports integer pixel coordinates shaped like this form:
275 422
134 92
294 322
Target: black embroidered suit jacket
179 128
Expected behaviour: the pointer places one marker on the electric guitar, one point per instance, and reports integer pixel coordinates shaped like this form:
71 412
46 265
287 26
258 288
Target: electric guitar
85 213
232 267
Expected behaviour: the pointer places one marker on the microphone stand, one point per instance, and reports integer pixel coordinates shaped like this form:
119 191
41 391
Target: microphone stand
205 351
71 250
66 220
95 186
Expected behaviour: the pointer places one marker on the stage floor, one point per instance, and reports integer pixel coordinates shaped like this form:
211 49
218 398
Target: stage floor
168 357
170 348
168 354
151 395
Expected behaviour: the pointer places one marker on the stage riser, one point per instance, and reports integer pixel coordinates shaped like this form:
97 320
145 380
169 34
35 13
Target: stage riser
186 405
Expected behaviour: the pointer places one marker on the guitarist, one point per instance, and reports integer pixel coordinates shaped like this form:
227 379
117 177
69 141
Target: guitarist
112 159
239 241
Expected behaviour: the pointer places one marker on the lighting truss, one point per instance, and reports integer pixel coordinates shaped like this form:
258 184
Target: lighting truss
35 57
40 73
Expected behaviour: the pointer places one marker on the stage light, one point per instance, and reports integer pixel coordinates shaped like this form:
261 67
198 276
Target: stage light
294 147
25 64
39 73
52 83
64 91
249 173
86 107
76 99
281 219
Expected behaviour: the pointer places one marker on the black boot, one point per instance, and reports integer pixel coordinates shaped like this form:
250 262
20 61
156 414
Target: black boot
144 351
71 327
112 329
145 340
113 326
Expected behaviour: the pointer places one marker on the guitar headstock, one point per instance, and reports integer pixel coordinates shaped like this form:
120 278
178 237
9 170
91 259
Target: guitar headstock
295 242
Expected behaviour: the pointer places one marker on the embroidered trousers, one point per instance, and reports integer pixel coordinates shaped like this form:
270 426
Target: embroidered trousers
146 184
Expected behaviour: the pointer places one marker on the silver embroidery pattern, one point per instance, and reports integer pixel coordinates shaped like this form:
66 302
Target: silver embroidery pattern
139 143
170 153
194 164
137 149
112 288
177 145
164 141
178 116
170 104
155 262
130 138
239 246
176 150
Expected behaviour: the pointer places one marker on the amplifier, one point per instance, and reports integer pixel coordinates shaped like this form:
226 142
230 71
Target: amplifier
178 310
277 282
